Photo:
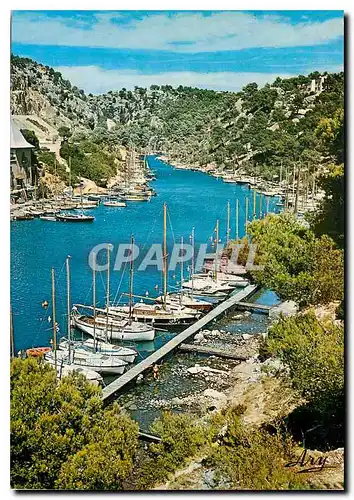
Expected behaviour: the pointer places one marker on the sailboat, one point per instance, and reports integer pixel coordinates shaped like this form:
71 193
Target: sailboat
159 314
184 297
80 217
104 326
205 284
100 363
114 202
89 345
51 355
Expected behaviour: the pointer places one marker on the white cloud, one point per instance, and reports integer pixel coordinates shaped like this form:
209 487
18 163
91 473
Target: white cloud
98 80
181 32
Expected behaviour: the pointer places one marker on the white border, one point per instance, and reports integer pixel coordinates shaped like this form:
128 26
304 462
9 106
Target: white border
4 173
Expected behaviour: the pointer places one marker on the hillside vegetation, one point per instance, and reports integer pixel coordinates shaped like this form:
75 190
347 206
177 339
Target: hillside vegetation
256 129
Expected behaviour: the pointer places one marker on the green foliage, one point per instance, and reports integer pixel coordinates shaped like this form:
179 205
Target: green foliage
252 459
296 265
181 436
89 160
329 219
56 426
314 352
30 137
64 132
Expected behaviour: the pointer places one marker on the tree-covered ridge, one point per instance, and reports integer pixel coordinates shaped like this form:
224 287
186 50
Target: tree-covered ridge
256 129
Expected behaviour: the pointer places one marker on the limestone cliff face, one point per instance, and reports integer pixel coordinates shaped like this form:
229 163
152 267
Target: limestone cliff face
39 90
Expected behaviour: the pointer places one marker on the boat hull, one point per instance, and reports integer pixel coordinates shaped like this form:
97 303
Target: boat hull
63 218
122 334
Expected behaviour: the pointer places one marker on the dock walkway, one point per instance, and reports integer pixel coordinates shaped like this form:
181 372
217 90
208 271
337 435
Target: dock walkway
109 391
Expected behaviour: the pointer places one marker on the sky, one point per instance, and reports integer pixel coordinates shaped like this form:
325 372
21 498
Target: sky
222 50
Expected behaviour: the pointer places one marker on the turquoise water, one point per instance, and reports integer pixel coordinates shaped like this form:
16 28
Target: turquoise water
194 199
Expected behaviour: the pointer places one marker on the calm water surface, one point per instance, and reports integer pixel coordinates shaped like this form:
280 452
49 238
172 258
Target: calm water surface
194 199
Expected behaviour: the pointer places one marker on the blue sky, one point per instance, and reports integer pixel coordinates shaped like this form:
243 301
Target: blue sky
106 50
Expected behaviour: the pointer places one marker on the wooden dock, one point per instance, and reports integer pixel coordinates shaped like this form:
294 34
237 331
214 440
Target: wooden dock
109 392
211 351
249 306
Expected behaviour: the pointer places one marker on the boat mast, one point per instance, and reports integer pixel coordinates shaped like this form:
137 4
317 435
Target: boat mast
94 300
192 261
281 172
68 302
70 172
286 207
246 212
237 209
254 203
296 205
164 255
131 279
12 340
216 251
54 320
228 223
107 295
182 277
260 205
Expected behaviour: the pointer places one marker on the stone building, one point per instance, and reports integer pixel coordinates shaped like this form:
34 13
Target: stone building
21 169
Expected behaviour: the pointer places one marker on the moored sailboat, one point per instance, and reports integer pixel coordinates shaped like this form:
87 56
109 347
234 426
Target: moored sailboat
103 325
89 345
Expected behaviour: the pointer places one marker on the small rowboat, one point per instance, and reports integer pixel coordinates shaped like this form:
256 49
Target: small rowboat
37 352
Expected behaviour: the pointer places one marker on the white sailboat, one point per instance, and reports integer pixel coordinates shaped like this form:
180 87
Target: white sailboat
100 363
63 370
160 314
186 298
92 376
104 326
89 345
114 202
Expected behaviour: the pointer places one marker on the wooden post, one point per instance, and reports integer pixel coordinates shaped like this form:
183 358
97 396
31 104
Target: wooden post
237 215
54 320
